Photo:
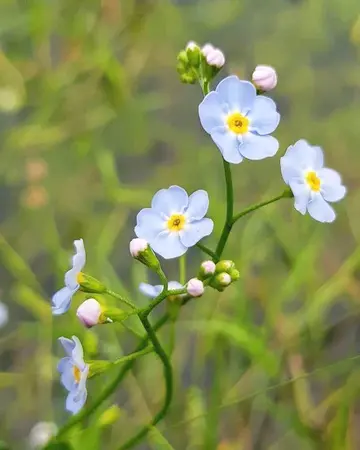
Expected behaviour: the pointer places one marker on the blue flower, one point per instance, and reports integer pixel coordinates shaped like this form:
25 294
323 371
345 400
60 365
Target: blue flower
74 373
153 291
175 221
239 121
61 300
312 184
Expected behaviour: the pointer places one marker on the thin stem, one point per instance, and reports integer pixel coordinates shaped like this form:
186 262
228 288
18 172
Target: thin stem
182 269
134 355
229 210
207 251
252 208
168 381
120 297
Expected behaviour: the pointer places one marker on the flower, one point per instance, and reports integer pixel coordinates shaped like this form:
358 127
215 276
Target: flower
41 433
264 78
136 246
153 291
175 221
240 122
312 184
89 312
74 373
61 299
4 314
214 56
195 287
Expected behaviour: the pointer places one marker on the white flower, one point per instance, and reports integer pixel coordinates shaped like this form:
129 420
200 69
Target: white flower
312 184
41 433
61 300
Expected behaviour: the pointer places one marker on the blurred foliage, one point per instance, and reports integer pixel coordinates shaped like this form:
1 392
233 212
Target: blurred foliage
93 121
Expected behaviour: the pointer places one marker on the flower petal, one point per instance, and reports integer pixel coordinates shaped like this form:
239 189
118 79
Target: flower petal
67 344
168 245
211 112
304 156
196 231
61 300
64 363
174 285
170 201
320 210
67 375
149 224
331 188
238 94
257 147
76 400
301 194
198 205
78 353
149 290
228 144
289 171
263 117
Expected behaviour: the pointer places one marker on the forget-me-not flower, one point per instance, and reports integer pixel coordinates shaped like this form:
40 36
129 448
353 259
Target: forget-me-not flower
175 221
312 184
74 373
61 300
239 121
153 291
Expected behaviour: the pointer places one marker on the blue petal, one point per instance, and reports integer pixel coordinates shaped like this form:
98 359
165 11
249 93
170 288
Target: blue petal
196 231
174 285
304 156
211 112
78 354
61 300
149 224
257 147
331 188
67 344
320 210
67 375
76 400
239 95
149 290
301 194
289 171
263 117
198 205
170 201
64 363
168 245
228 144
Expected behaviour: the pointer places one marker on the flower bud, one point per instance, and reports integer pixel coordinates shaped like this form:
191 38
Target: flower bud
90 284
109 416
234 274
193 53
214 56
264 78
195 287
224 266
41 434
89 312
140 250
220 281
207 269
97 367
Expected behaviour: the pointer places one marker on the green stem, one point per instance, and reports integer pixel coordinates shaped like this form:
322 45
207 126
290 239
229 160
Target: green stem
229 210
207 251
120 297
182 269
134 355
285 194
168 381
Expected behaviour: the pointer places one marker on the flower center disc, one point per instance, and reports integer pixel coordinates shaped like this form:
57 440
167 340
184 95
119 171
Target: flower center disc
176 222
313 181
238 123
77 374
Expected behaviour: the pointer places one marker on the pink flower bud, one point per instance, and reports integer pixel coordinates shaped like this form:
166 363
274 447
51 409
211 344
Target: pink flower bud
214 56
208 267
137 246
89 312
195 287
264 78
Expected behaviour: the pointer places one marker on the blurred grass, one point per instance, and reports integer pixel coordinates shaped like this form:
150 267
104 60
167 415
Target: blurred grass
93 121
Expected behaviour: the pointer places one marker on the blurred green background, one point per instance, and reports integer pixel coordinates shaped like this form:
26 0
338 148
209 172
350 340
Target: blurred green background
93 121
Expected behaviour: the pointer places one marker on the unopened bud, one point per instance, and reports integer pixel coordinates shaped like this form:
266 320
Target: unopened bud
264 78
109 416
140 250
195 287
234 274
89 313
207 269
97 367
90 284
193 53
214 56
224 266
220 281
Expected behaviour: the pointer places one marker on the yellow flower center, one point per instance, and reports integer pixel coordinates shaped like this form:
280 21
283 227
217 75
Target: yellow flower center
77 374
238 123
313 181
176 222
80 278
